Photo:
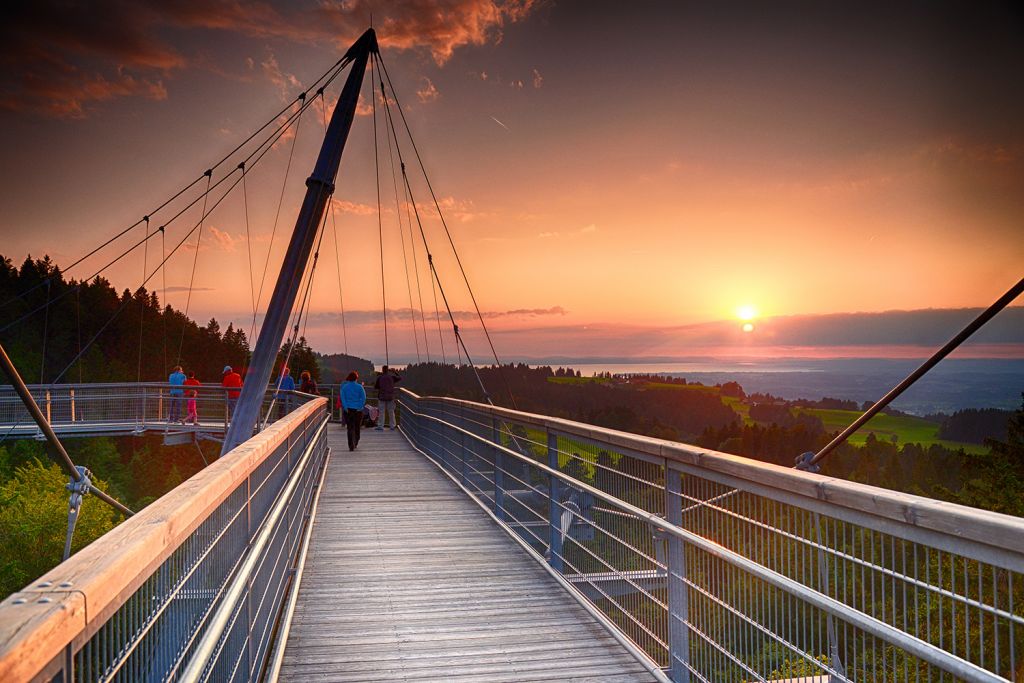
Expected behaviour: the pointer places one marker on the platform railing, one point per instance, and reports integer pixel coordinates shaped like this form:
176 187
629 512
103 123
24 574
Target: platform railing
723 568
83 409
194 583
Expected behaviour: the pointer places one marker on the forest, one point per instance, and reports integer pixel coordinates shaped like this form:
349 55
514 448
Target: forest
758 426
59 330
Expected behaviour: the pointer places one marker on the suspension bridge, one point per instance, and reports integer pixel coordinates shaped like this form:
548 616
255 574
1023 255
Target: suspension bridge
479 542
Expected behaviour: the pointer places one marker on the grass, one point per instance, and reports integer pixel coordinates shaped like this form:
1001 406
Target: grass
579 380
906 429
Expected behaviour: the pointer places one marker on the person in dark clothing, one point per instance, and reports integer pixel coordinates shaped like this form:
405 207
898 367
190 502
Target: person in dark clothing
353 398
308 385
385 385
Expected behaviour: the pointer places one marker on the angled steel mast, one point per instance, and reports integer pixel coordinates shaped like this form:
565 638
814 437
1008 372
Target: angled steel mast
319 187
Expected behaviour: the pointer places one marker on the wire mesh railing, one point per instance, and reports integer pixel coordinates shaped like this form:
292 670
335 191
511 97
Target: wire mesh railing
193 583
722 568
132 407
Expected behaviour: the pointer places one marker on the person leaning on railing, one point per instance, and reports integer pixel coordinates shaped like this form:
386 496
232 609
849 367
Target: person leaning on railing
284 396
385 385
176 379
232 381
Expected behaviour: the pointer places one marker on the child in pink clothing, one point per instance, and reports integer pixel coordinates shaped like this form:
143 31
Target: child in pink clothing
191 394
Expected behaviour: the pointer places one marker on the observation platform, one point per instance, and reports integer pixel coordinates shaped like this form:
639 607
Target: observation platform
406 578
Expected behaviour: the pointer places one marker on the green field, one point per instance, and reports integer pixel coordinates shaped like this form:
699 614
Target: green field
906 429
579 380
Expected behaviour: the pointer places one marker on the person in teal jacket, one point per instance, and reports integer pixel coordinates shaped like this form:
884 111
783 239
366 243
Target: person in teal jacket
176 380
353 398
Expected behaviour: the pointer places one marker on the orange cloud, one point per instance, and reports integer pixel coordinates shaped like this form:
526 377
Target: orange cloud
428 91
439 26
61 59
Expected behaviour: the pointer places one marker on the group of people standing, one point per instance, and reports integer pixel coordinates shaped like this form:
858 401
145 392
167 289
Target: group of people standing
353 397
353 401
178 382
183 391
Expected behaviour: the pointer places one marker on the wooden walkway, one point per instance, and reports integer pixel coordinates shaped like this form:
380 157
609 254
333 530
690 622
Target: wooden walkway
408 580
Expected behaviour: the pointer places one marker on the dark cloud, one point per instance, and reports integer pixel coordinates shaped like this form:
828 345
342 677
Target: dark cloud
62 58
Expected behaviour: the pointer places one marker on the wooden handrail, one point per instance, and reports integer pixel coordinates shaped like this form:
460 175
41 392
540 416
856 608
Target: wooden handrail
71 601
1001 532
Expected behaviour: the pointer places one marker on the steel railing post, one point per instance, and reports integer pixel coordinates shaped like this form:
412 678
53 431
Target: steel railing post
499 479
833 645
554 516
49 417
72 394
462 445
678 600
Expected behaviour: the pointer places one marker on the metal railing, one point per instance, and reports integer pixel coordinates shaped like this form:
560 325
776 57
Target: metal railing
83 409
190 588
722 568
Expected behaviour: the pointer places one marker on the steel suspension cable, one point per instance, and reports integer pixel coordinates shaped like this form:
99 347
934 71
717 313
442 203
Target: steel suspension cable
337 265
248 239
81 284
334 232
380 222
459 342
986 315
337 67
437 317
444 224
78 313
277 214
260 150
405 256
192 277
163 271
173 251
46 330
419 289
142 310
298 318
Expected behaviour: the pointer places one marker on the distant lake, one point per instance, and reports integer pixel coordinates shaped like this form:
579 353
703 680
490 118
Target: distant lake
951 385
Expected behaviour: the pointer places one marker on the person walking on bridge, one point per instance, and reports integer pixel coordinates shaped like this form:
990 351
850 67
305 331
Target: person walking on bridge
353 398
385 385
232 381
176 379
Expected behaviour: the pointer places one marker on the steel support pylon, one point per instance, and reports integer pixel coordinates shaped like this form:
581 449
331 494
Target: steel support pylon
319 187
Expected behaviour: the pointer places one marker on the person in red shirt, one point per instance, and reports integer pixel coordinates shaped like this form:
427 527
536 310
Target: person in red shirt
233 381
190 395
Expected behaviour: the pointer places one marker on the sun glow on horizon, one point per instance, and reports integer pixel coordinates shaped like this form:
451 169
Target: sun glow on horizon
746 312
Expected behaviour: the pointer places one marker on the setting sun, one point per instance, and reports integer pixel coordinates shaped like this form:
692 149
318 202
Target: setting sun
746 312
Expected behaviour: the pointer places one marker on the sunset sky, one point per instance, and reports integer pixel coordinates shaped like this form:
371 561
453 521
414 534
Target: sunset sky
620 178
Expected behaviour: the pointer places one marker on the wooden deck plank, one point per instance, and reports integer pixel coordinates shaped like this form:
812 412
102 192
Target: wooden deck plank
407 579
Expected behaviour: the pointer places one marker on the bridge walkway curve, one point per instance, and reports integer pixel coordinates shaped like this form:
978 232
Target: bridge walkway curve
407 579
